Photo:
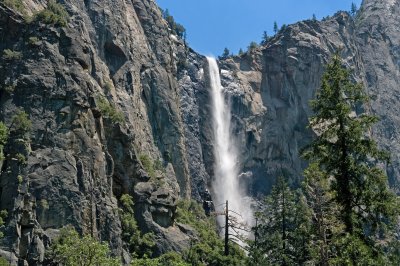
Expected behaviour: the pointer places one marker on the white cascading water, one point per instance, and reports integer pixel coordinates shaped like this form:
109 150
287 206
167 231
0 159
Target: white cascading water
226 185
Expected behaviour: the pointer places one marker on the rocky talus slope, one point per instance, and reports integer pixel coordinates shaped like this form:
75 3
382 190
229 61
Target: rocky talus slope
119 105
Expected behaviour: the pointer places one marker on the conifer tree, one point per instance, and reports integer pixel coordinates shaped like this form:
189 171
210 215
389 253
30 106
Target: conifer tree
314 18
264 38
345 152
283 230
225 54
326 227
275 27
353 10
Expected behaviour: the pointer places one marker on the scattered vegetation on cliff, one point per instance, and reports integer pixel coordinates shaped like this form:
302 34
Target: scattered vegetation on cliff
3 138
20 123
176 28
109 111
54 14
349 214
3 215
151 166
139 245
10 55
17 5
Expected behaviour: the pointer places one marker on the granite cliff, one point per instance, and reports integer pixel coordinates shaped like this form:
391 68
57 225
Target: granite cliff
120 105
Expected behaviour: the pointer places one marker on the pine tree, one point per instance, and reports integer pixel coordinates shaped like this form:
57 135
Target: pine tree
241 51
225 54
314 18
264 38
252 46
275 27
344 152
353 10
283 230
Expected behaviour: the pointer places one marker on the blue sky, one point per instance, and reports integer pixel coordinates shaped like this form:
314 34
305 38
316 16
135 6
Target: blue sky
212 25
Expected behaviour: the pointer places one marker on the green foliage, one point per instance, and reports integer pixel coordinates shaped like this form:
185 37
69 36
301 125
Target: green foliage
3 138
252 46
283 230
54 14
20 158
20 179
108 86
225 54
72 250
314 18
3 215
326 227
9 88
353 10
265 38
140 245
275 27
44 204
209 250
20 122
33 40
11 55
241 52
15 4
148 164
344 153
4 262
168 259
109 111
176 28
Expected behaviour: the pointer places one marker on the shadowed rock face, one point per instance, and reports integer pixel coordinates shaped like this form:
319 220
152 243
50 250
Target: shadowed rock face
79 161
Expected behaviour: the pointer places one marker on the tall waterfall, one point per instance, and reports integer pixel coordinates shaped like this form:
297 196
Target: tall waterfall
226 185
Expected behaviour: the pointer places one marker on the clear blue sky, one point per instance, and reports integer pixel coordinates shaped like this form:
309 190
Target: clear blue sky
212 25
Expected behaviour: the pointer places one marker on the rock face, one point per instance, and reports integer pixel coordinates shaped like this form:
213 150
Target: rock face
113 59
271 86
119 59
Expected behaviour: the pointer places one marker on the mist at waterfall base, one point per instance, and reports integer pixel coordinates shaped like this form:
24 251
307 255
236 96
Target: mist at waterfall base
226 185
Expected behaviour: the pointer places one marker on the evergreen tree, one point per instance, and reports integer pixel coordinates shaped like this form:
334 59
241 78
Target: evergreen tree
241 51
264 38
283 230
345 152
353 10
225 54
324 212
275 27
314 18
253 45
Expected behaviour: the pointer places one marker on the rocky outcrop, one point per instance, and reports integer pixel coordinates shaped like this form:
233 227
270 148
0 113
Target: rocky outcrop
114 94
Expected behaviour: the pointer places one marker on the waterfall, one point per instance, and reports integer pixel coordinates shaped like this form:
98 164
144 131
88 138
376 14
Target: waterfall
226 185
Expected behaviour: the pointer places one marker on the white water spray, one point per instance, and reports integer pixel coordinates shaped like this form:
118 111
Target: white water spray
226 185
